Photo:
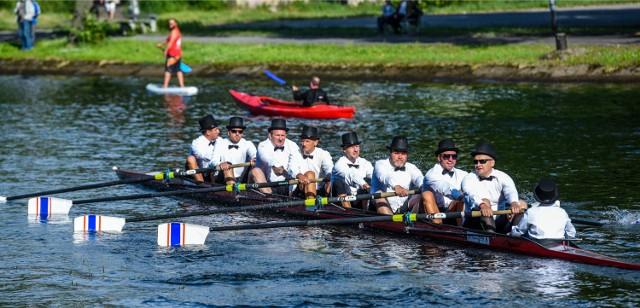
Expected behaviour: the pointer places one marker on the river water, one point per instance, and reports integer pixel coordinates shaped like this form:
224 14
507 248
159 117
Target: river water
59 132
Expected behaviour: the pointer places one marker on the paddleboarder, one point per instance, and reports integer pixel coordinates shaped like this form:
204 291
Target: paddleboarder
173 54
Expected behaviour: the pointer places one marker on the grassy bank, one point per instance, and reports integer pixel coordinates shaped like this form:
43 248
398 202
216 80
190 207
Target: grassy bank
133 51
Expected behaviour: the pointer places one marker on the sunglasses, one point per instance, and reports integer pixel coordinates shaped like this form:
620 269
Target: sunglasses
449 156
481 161
237 131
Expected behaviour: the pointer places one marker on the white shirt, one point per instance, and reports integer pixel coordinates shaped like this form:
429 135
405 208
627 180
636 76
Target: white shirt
321 164
290 158
207 155
402 10
442 184
546 221
500 191
353 176
244 152
385 178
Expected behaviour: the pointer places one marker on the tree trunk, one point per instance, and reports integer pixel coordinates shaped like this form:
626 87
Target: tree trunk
80 13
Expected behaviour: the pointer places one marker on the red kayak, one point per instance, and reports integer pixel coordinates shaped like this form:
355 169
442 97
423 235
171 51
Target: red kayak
268 106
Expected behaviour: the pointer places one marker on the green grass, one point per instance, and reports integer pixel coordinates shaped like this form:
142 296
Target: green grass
133 51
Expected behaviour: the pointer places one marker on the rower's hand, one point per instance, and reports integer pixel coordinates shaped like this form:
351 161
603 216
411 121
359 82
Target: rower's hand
486 210
294 88
366 186
302 179
278 170
253 162
400 191
224 166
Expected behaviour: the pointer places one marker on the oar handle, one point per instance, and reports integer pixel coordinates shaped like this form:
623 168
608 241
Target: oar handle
502 212
204 170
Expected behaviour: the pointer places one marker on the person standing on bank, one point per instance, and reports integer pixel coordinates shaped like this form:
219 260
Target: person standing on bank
24 15
236 150
316 163
547 220
441 187
486 190
395 174
314 95
204 153
278 159
351 174
173 54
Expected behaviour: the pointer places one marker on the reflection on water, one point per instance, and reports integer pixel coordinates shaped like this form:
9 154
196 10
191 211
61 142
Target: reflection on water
61 132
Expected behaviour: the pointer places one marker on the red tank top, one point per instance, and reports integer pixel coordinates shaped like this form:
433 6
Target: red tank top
175 49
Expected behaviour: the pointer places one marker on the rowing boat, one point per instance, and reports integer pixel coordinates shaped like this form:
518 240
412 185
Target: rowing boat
423 229
263 105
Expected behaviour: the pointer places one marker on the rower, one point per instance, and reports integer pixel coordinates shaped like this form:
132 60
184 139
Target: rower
351 174
314 95
316 162
278 159
235 150
441 185
547 220
395 174
203 152
487 189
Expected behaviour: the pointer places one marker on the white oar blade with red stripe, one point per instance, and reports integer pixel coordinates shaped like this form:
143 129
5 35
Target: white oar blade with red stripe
180 234
47 206
90 223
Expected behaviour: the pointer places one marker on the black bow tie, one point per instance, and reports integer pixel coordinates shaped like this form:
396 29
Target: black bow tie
231 146
447 172
399 169
489 178
278 148
353 166
305 156
212 143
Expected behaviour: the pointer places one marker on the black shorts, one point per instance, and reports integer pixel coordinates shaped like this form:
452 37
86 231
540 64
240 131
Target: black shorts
173 68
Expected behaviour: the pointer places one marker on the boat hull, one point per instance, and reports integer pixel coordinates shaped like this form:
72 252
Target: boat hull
420 229
263 105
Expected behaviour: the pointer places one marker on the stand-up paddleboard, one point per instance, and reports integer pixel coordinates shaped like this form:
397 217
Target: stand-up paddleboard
158 89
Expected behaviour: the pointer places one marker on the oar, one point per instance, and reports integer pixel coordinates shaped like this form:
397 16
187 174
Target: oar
180 234
275 78
158 176
107 223
45 206
185 68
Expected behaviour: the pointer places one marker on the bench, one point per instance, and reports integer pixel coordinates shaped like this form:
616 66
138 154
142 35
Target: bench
144 21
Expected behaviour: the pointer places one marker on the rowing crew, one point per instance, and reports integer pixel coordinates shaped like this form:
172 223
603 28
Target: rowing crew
444 188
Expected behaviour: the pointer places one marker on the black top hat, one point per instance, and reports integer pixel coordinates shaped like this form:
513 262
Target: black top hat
349 139
399 143
446 145
486 149
309 132
278 124
207 122
546 191
236 122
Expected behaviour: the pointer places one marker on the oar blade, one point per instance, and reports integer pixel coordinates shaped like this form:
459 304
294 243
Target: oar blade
97 223
181 234
3 199
274 77
47 206
185 68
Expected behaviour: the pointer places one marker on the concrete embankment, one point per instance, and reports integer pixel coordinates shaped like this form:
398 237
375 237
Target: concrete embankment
536 73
